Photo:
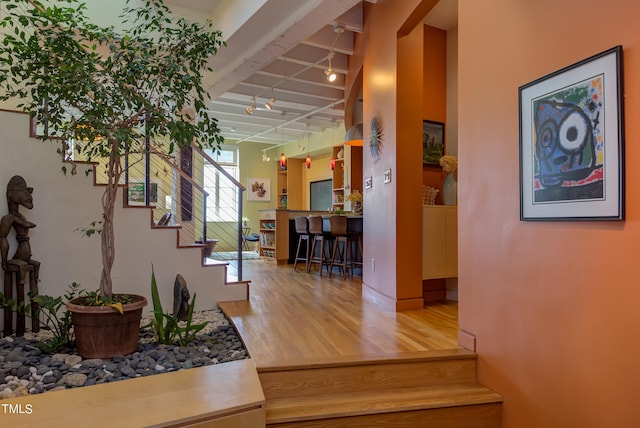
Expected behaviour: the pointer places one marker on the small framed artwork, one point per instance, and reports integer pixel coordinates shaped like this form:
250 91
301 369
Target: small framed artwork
258 189
136 193
432 142
572 140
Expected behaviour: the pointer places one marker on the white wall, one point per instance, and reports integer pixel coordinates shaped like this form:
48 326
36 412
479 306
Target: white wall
64 204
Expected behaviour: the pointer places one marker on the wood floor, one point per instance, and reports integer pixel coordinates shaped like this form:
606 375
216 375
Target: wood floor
295 317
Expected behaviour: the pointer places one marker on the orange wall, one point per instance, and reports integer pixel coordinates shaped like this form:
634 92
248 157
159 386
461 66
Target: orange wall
392 76
434 96
554 306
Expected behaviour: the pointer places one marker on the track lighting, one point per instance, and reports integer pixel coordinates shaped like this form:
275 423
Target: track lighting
331 75
338 28
249 110
269 104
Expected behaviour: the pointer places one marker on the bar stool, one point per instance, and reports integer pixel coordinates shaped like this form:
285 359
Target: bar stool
338 228
302 229
315 228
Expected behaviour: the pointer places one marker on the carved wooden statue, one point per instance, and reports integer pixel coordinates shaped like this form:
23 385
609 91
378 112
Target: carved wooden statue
180 298
17 267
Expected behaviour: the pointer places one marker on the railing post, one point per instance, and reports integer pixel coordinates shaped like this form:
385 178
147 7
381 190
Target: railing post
147 168
240 233
204 219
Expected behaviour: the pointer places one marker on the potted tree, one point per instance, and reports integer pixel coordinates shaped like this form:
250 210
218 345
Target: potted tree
108 91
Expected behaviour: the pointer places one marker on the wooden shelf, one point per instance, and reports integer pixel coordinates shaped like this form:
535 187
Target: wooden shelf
289 180
273 242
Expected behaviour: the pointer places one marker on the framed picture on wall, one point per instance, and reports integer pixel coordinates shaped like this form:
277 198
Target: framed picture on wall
258 189
136 193
432 142
571 142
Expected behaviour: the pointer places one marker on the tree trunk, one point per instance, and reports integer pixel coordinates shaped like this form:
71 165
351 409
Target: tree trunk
114 172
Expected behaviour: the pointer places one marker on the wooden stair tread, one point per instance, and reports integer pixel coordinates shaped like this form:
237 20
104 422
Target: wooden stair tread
349 361
372 402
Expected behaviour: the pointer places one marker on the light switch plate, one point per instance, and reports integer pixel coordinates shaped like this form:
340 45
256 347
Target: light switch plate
387 176
368 182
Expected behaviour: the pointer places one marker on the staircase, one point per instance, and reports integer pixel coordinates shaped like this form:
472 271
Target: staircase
176 201
418 389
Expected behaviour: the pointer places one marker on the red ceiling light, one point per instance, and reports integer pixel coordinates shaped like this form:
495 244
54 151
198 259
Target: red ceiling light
308 161
283 161
333 163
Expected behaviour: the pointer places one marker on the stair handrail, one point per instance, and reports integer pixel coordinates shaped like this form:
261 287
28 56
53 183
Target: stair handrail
218 167
176 168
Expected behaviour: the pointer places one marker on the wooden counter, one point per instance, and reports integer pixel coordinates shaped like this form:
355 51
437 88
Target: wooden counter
220 396
280 241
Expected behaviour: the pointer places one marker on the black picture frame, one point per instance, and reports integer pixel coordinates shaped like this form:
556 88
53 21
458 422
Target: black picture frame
572 142
432 142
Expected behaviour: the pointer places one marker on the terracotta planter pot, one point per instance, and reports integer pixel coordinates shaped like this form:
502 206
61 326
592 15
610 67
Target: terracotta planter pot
102 332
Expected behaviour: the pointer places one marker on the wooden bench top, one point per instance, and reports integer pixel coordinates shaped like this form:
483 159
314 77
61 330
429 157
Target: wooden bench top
170 399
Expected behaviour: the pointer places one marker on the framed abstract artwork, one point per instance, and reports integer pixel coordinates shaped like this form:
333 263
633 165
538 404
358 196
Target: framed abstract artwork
572 142
432 142
258 189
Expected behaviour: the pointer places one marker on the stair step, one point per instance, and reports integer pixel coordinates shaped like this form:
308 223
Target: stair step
325 407
378 374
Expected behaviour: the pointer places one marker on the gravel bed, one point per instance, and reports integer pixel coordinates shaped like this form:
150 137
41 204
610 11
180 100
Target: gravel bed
25 369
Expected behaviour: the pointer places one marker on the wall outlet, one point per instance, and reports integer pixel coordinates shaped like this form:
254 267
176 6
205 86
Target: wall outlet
373 265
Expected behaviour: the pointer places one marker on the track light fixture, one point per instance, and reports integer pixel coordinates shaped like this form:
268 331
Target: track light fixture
249 110
331 75
338 28
269 104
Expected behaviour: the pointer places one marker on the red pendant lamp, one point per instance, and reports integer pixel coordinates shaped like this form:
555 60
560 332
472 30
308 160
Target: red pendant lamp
307 161
283 158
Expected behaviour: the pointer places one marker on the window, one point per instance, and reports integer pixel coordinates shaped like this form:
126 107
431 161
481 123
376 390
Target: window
222 202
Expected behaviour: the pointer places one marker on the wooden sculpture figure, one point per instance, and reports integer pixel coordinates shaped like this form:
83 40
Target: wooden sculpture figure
180 298
21 263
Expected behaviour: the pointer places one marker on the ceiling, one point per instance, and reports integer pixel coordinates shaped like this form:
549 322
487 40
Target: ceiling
281 49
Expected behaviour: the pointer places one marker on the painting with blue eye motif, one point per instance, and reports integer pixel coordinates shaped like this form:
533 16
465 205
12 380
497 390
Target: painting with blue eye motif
569 144
571 139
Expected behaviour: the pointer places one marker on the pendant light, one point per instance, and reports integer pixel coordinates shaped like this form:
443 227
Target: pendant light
307 161
333 159
283 158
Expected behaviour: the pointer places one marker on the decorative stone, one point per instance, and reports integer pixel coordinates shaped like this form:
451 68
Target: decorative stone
75 379
93 362
72 360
